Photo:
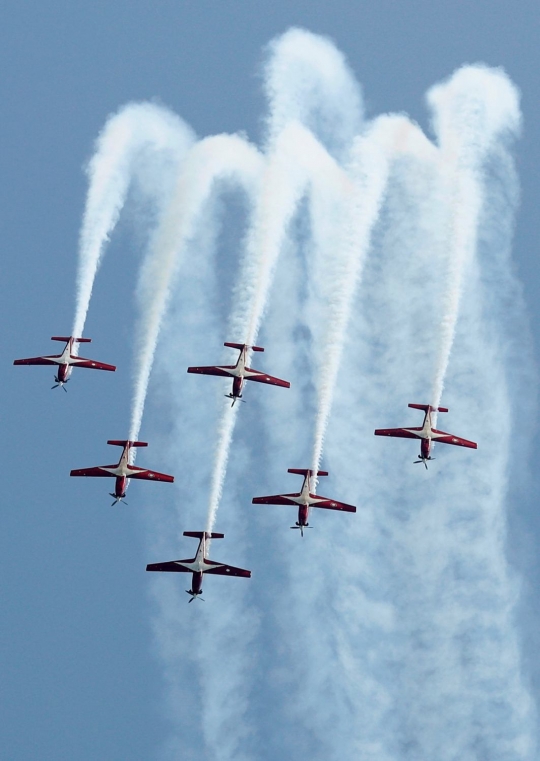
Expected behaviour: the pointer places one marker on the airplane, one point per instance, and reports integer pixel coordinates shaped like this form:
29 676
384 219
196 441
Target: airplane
199 565
426 434
304 499
122 471
65 361
239 372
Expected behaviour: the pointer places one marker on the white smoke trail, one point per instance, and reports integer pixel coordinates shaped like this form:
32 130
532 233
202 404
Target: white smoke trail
135 128
397 633
307 80
221 158
224 437
371 156
470 112
388 635
277 201
305 77
225 637
296 160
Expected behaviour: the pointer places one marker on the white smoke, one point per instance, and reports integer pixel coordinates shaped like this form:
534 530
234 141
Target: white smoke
389 634
296 160
473 109
305 76
413 595
307 80
339 276
225 158
136 128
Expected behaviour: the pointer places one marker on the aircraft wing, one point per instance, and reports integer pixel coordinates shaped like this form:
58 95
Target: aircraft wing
226 570
92 364
52 360
255 375
398 433
97 472
224 371
148 475
276 499
174 566
448 438
331 504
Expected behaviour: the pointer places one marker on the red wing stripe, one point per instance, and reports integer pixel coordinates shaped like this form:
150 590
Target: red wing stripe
228 570
37 361
398 433
172 566
278 499
148 475
447 438
264 378
92 364
331 504
221 371
94 472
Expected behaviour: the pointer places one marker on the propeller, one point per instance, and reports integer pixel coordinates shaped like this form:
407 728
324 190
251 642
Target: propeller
116 499
298 526
424 460
195 595
60 383
234 398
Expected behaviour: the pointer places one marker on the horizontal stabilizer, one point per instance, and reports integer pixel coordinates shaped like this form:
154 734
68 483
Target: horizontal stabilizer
428 407
243 346
122 443
65 339
308 472
200 534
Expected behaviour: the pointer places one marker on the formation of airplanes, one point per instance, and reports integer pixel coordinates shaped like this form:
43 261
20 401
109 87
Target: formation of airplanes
307 498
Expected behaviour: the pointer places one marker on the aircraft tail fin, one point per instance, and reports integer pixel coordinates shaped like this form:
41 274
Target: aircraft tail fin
307 472
243 346
200 534
65 339
428 408
123 443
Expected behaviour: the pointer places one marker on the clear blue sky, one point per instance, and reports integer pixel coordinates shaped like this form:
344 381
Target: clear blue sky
79 679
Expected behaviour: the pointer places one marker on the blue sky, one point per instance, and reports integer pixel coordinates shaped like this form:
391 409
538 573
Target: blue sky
80 673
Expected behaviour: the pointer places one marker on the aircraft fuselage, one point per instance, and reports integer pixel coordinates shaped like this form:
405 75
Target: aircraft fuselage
426 436
196 584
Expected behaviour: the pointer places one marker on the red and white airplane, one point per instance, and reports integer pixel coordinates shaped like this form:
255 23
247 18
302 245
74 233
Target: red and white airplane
426 433
240 372
123 470
65 361
199 565
304 499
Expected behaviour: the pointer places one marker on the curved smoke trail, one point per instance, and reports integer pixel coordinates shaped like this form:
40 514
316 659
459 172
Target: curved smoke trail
214 159
371 156
471 111
307 81
297 159
137 127
391 636
409 623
